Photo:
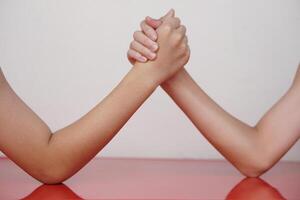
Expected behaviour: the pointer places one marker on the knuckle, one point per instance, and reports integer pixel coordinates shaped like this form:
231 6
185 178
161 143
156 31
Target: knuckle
148 53
131 54
144 40
177 37
136 54
144 27
136 34
132 44
186 40
148 31
183 46
166 28
183 49
187 52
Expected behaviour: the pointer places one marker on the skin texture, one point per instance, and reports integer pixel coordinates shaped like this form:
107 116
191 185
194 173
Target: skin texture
52 158
252 150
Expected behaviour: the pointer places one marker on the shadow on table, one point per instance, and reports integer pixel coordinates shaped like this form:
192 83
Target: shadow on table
254 188
247 189
52 192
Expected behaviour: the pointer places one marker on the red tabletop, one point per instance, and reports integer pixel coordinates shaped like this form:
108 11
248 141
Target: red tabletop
112 178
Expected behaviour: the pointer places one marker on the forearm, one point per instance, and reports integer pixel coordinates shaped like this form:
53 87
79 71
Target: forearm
223 131
52 158
91 133
244 146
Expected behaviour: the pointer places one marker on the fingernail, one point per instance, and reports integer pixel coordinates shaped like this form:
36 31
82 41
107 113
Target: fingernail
152 55
154 47
142 59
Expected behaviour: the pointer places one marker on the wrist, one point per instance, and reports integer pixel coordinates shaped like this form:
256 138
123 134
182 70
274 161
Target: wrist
147 71
176 79
146 75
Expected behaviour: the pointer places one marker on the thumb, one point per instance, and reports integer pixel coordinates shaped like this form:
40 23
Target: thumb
154 23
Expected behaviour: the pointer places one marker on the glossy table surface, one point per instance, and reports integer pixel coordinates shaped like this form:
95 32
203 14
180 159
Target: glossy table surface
112 178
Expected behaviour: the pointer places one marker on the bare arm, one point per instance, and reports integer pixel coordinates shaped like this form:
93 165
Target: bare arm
252 150
52 158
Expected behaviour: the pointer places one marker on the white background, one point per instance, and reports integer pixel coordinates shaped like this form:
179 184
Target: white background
62 57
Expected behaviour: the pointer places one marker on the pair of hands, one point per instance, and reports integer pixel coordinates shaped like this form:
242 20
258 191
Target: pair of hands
162 44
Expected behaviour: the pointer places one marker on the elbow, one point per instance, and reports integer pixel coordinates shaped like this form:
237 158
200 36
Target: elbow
256 168
52 176
51 179
253 172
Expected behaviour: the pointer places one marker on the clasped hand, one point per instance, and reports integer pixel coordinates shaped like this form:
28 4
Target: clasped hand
162 45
